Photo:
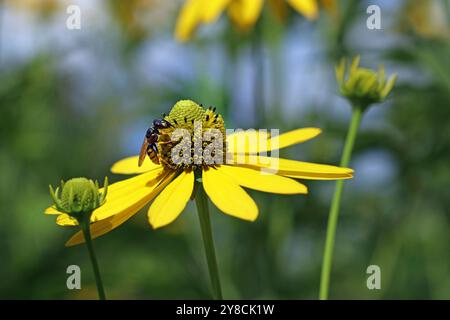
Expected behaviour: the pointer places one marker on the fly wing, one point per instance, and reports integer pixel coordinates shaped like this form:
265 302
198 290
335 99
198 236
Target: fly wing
143 152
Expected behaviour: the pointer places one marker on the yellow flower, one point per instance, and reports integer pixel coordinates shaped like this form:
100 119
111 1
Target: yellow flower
44 7
172 184
243 13
427 18
139 18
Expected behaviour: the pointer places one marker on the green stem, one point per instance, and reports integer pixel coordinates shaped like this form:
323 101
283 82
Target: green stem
205 223
85 226
335 205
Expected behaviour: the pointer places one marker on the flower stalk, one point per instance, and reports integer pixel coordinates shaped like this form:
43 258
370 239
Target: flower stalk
85 227
201 201
362 87
335 205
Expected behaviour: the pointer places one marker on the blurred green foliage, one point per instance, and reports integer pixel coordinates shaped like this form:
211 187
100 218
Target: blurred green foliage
49 130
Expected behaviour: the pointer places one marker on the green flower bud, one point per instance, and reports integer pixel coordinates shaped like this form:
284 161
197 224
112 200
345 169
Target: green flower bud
184 112
79 196
362 86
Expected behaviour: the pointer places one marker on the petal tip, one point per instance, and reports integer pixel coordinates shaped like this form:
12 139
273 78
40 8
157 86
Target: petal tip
71 243
318 130
303 190
153 225
254 217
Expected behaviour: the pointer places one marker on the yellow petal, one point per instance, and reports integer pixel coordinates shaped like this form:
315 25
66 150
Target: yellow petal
290 138
66 220
130 166
249 134
104 226
257 180
330 6
188 19
172 200
244 13
279 8
308 8
213 9
52 210
124 194
249 141
116 192
295 169
228 196
252 141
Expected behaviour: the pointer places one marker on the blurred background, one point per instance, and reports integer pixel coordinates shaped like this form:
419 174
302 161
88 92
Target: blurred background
72 102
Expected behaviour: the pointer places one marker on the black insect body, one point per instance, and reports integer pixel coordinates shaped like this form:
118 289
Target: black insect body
150 146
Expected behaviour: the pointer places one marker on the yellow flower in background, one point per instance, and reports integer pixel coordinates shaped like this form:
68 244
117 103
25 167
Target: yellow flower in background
243 13
172 185
140 18
427 18
44 7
